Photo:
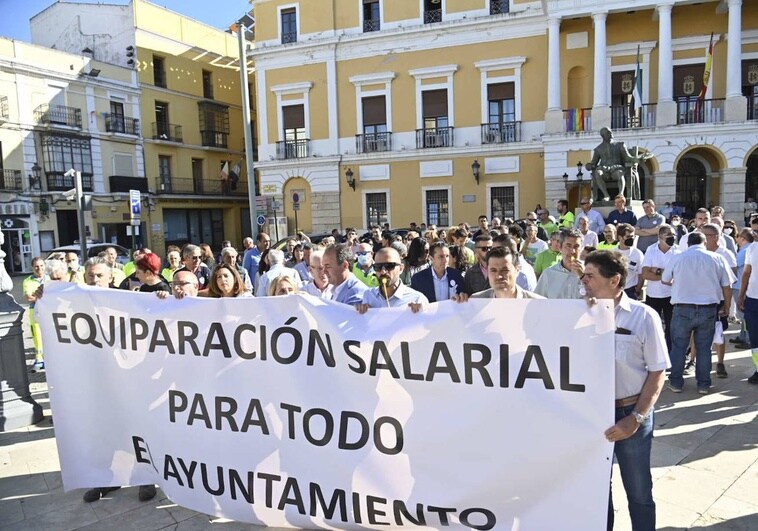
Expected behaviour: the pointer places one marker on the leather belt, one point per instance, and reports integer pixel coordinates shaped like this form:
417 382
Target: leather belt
697 305
628 401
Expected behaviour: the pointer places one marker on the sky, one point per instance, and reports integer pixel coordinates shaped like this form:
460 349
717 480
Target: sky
15 14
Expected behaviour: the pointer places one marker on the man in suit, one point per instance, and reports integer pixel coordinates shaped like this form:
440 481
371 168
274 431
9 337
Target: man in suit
337 263
476 275
438 282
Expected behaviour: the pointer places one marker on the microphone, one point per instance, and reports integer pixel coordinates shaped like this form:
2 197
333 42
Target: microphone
385 281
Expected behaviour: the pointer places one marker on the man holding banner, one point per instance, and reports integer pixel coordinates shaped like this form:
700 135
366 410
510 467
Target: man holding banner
641 358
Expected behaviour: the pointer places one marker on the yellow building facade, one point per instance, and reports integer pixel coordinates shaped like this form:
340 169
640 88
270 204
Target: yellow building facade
375 111
194 184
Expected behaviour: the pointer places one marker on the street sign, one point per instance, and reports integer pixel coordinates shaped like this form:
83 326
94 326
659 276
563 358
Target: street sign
261 220
296 206
295 198
135 206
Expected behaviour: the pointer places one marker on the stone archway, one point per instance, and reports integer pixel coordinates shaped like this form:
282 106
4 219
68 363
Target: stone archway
751 176
304 215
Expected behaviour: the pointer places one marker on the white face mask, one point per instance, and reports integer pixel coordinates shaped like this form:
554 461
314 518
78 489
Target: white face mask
675 223
728 231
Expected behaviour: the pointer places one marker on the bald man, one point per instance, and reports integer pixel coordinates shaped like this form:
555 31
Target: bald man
391 292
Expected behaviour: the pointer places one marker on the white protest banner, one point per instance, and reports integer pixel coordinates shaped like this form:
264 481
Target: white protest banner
292 411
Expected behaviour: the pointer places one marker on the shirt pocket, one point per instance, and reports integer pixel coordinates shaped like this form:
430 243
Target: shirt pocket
626 346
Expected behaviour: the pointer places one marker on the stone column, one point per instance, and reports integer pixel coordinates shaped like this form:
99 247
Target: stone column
601 111
735 108
664 187
666 108
732 192
554 114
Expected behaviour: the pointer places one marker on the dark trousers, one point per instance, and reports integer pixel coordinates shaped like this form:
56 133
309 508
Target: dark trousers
663 307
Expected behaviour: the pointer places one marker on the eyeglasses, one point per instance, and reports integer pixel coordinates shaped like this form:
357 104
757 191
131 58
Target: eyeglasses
486 248
179 284
584 203
531 219
363 253
198 257
389 266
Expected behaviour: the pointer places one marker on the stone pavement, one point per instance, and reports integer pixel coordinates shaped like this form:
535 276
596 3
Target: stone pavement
705 468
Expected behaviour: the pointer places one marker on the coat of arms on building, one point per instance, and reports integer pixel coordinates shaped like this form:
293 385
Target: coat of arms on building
627 83
689 85
752 74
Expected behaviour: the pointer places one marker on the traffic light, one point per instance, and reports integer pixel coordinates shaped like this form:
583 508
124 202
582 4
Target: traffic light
130 55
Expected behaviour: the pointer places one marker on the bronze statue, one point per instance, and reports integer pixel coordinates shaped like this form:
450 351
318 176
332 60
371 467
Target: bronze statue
612 160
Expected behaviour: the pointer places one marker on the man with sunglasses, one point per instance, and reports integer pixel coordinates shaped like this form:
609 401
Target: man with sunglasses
476 279
595 220
391 292
192 260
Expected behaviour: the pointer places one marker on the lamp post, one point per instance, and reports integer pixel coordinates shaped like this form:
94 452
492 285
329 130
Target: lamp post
350 178
475 170
565 181
580 178
35 179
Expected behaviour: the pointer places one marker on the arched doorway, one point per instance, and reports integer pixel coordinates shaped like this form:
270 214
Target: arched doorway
751 176
299 218
691 185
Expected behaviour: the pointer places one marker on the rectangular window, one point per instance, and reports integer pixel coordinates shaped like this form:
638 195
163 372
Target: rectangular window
750 87
159 72
371 16
207 84
501 114
197 225
289 25
437 208
295 144
503 202
375 137
432 11
436 132
164 172
214 124
499 6
376 208
123 164
623 113
60 154
116 118
162 129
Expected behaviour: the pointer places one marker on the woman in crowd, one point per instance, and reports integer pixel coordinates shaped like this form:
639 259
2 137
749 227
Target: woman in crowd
283 285
417 260
206 255
226 282
147 270
458 259
430 236
296 255
174 263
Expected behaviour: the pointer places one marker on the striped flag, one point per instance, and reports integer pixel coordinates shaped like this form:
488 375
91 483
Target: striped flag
224 175
637 91
707 71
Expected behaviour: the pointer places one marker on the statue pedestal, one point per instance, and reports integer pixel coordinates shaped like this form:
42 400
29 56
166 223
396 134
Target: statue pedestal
17 407
606 207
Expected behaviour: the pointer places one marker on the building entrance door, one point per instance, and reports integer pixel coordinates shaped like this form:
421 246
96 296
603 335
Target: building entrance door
17 245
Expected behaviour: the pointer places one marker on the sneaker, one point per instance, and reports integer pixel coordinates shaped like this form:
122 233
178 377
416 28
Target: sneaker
673 388
38 366
690 367
146 492
703 390
754 378
721 370
95 494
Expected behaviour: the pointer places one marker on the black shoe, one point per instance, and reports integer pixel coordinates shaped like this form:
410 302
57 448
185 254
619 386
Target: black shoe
754 378
95 494
743 346
721 370
146 492
735 340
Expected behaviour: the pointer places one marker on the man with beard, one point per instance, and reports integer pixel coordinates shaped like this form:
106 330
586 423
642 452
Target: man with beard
391 292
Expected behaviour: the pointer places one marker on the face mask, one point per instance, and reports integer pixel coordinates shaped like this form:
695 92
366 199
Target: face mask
629 242
675 223
670 241
728 231
363 260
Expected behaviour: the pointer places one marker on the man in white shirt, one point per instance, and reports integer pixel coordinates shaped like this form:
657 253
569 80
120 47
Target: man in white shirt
589 238
656 260
391 292
561 281
712 234
748 303
319 285
702 217
595 218
634 257
275 259
700 280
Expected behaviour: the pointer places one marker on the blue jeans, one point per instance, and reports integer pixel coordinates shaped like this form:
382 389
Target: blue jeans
751 319
633 457
685 321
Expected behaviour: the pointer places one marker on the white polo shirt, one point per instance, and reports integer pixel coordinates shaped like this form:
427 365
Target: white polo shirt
656 258
698 276
634 259
751 259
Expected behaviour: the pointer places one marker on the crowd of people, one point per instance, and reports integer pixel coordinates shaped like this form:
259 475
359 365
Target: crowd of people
674 289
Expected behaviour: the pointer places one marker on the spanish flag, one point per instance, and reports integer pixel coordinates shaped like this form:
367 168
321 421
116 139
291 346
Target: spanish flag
707 71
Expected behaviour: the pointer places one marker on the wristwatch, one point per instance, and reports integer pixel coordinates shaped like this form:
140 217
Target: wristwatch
639 417
659 271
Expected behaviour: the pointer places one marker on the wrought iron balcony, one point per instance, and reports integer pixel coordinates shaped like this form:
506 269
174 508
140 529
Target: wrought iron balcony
696 111
12 180
214 139
167 132
293 149
124 183
499 6
371 25
373 142
577 120
435 137
47 114
205 187
58 182
501 133
627 117
289 36
432 15
121 124
4 114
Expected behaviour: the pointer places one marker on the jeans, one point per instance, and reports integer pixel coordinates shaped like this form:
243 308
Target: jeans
751 318
633 457
663 306
685 321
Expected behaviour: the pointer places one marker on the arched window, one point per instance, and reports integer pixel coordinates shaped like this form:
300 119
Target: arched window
690 185
751 176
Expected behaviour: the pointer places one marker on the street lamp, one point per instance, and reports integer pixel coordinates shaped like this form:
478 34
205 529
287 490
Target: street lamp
565 180
350 178
36 177
580 177
475 170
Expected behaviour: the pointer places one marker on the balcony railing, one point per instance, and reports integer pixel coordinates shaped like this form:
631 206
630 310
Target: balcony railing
4 115
752 108
121 124
167 132
499 6
696 111
501 133
432 15
373 142
124 183
58 182
12 180
214 139
576 120
293 149
289 36
371 25
47 114
434 137
627 117
207 187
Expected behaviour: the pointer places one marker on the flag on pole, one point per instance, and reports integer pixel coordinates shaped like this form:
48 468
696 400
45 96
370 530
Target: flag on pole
707 71
234 174
224 175
637 91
